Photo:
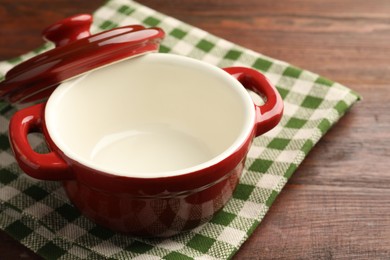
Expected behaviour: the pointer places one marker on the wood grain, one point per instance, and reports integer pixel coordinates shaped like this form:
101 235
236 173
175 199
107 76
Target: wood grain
337 204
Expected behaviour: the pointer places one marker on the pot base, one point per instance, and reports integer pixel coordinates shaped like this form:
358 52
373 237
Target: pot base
153 217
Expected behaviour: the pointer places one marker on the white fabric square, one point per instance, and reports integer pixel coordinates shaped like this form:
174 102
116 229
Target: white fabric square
171 21
198 229
289 156
79 252
146 11
4 67
38 210
251 52
304 133
232 236
319 114
124 2
198 33
274 131
290 109
6 159
333 115
336 94
129 20
255 151
3 124
44 232
106 248
316 135
269 181
104 13
251 210
239 63
8 192
225 44
302 86
183 48
72 231
209 58
273 77
12 213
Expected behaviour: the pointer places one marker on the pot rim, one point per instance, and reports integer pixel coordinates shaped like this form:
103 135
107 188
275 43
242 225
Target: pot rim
247 128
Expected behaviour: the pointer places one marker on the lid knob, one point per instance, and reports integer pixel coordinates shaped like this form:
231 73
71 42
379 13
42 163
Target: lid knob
68 29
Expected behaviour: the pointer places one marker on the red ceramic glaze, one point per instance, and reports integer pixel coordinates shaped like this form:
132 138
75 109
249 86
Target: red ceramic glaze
269 114
145 206
76 52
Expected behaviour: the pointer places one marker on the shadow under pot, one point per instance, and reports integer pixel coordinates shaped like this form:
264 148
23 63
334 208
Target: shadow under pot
151 146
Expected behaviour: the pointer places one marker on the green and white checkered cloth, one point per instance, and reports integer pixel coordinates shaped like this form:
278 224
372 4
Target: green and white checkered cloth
39 215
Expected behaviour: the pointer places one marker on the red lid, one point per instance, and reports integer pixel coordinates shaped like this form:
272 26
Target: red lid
76 52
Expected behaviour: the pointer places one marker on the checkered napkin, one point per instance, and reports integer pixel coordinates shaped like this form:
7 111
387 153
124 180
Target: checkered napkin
39 215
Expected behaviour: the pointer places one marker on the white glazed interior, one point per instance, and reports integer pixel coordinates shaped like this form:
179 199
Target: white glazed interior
155 115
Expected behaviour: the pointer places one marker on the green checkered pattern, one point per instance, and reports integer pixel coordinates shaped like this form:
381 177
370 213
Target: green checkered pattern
39 215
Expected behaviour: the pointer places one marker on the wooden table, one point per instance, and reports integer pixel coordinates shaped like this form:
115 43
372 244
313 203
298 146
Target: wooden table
337 204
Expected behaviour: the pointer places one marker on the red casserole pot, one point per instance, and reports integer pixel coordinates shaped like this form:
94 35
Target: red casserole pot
153 145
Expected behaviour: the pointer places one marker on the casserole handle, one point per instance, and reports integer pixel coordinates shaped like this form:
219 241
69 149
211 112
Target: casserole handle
49 166
269 114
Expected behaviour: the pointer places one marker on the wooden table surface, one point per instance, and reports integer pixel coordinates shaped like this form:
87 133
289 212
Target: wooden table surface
337 204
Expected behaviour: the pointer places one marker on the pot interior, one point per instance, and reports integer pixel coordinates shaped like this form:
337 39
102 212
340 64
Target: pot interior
152 116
